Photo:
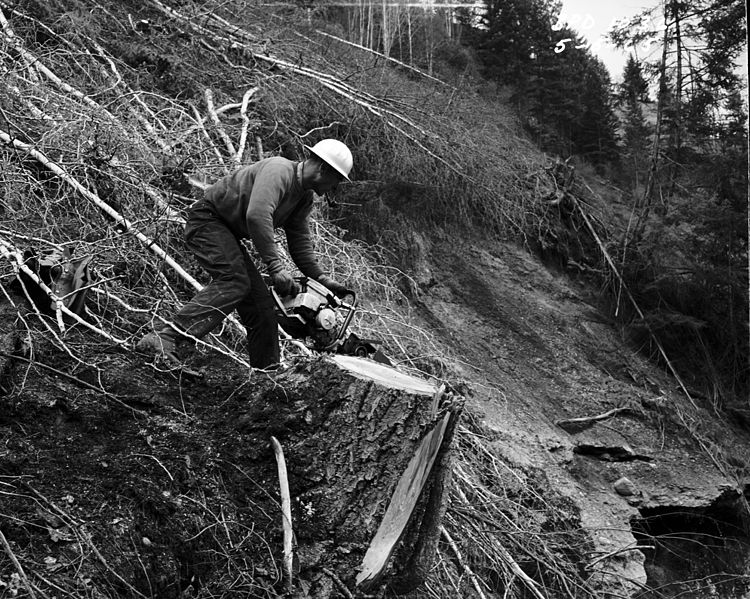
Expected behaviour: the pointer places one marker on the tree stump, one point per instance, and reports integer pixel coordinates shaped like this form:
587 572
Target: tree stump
367 449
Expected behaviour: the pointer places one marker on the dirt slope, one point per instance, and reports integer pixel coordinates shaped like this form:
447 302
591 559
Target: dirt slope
536 349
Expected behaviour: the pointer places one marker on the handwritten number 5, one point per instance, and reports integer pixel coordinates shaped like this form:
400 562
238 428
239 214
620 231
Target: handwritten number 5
560 46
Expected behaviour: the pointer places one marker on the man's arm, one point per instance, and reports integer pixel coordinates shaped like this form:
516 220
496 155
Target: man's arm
301 247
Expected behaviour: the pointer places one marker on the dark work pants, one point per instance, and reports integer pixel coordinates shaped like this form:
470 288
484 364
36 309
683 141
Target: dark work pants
235 284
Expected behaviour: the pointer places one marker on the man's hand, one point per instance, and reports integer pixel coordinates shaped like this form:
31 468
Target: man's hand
337 288
284 283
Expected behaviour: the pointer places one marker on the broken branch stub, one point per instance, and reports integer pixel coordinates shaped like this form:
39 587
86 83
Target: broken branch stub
368 463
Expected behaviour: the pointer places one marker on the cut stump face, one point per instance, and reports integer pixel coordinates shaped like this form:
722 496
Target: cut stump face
384 375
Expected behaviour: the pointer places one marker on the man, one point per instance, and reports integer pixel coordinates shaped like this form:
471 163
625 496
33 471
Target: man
251 203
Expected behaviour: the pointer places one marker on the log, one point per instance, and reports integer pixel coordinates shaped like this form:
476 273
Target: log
245 125
368 456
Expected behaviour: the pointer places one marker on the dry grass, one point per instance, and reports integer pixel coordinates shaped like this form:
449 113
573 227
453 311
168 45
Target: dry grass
517 537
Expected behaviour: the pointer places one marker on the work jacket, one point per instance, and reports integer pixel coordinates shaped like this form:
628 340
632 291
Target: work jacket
258 198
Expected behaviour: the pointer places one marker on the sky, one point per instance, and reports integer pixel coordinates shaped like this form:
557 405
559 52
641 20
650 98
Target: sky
592 19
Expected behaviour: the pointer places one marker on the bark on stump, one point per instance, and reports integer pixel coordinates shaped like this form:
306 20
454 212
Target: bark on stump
353 427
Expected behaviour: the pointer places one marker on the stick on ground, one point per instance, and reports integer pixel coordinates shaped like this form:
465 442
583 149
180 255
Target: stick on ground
576 425
286 510
464 566
17 564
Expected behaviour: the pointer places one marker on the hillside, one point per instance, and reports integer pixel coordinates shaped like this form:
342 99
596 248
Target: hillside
579 467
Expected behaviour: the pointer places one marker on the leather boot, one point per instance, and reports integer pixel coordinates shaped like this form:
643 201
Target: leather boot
162 343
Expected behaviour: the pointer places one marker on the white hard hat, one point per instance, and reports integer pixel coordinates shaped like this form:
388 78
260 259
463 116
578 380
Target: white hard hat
335 153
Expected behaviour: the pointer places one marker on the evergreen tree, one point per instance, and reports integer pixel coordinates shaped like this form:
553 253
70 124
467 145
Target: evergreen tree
632 93
560 88
636 137
594 137
634 87
719 252
701 41
515 31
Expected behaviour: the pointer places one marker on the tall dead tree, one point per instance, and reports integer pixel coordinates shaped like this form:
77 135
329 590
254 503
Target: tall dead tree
676 8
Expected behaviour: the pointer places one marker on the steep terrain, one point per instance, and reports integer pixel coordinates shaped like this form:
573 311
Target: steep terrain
119 477
538 349
176 474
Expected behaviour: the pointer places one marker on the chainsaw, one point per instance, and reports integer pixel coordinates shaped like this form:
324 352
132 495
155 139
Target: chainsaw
321 319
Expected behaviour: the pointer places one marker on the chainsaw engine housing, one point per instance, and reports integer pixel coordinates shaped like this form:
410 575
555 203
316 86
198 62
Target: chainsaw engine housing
315 313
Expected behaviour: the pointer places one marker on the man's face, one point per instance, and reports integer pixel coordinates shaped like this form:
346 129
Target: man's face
326 179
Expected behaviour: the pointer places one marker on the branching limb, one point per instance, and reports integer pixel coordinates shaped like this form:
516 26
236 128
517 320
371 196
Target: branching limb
43 320
121 220
62 85
218 155
342 587
209 95
14 256
245 124
10 35
464 566
635 305
388 58
79 529
119 81
76 380
193 128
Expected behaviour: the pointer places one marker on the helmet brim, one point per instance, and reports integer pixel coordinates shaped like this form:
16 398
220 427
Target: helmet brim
333 166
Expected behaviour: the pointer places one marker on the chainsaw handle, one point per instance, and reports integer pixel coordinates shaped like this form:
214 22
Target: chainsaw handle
297 286
352 307
347 320
340 300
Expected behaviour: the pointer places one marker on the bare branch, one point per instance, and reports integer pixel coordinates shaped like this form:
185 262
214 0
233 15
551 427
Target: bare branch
245 124
217 123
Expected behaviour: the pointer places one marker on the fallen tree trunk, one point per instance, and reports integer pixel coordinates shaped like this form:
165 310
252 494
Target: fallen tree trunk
367 453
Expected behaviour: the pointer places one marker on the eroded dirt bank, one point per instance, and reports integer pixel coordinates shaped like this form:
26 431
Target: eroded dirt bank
538 350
